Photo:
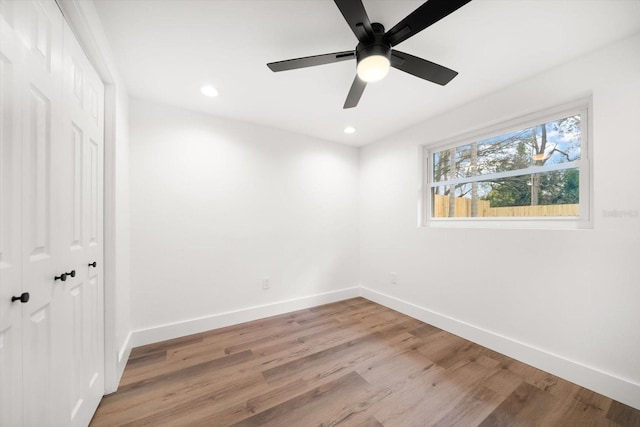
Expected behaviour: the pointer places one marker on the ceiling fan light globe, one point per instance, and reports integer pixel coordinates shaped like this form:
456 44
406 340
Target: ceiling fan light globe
373 68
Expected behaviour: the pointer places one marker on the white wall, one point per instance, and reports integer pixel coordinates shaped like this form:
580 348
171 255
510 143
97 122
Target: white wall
567 301
121 322
218 205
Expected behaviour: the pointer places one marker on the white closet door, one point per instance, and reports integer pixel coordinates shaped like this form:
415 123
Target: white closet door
83 94
11 56
40 24
51 180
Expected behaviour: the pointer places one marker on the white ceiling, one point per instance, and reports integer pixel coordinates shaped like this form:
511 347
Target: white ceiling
166 49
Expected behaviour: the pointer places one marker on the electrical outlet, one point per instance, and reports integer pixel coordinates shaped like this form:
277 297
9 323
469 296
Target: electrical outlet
394 278
266 284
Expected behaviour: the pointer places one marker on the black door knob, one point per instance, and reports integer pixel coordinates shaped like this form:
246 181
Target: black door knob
22 298
93 264
71 273
62 277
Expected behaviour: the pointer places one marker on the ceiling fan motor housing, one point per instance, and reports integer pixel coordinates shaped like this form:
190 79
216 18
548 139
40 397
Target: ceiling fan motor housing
376 45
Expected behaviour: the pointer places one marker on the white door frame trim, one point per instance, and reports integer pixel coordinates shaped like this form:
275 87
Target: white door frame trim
114 358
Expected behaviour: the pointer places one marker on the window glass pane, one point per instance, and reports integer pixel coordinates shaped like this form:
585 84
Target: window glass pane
554 142
546 194
452 163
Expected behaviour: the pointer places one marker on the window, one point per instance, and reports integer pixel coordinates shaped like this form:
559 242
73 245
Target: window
534 169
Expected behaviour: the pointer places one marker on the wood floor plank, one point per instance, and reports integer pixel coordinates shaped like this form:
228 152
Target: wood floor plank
288 336
425 330
576 413
185 373
623 415
137 400
147 359
345 350
300 408
440 394
446 349
406 405
164 346
199 352
472 409
526 406
349 363
503 382
369 422
190 408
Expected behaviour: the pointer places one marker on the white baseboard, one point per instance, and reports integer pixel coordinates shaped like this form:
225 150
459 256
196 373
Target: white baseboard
617 388
123 355
113 379
193 326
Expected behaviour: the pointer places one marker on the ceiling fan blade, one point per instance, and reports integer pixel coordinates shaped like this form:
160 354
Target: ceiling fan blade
357 87
421 68
310 61
357 18
428 14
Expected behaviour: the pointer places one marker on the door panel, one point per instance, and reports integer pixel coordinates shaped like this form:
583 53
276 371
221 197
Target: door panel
93 175
79 353
76 243
12 54
10 386
6 11
37 156
83 94
38 375
44 379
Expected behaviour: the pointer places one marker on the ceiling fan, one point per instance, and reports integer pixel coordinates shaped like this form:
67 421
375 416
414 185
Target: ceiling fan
374 53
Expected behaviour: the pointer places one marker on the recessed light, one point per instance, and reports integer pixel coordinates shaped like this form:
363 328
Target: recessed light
209 90
349 129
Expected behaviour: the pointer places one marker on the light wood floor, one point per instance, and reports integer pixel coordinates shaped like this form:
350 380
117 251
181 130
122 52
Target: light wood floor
351 363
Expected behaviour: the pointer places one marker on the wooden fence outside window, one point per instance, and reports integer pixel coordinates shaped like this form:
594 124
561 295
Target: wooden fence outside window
462 209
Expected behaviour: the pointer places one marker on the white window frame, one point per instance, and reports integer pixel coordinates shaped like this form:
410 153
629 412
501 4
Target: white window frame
583 221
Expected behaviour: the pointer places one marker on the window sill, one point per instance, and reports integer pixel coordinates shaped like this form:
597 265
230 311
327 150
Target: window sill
518 223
